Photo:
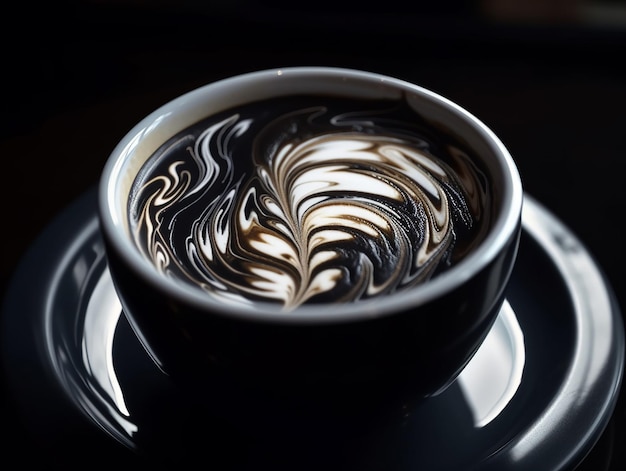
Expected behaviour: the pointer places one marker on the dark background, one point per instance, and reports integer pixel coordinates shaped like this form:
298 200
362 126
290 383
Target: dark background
547 77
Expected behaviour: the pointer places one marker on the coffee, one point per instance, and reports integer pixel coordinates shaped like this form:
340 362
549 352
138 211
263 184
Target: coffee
309 199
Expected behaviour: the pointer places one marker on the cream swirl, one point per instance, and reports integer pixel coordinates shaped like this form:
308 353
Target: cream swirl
335 216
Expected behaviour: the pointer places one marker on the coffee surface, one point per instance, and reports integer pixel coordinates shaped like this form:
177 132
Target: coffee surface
309 199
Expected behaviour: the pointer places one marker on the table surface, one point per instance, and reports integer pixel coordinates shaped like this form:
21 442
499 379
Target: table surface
553 89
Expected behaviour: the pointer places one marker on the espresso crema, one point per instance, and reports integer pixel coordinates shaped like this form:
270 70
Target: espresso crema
309 199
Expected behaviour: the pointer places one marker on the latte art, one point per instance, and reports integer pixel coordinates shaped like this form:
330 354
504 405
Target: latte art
316 203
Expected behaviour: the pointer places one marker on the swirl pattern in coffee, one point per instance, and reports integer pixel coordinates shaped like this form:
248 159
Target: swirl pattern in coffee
309 200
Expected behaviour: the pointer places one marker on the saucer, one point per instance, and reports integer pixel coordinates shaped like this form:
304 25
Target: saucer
538 394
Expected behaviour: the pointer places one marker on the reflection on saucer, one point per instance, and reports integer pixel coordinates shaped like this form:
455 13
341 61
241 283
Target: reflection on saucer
101 317
82 357
491 378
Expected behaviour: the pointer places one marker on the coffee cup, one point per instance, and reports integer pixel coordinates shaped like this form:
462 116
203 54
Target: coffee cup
311 235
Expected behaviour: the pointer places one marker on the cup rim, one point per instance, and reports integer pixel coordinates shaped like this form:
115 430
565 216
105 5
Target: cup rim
504 226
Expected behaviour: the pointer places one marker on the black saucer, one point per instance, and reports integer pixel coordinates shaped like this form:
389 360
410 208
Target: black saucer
538 394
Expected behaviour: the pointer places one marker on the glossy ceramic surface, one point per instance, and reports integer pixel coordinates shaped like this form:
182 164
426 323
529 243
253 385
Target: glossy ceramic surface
538 394
250 297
